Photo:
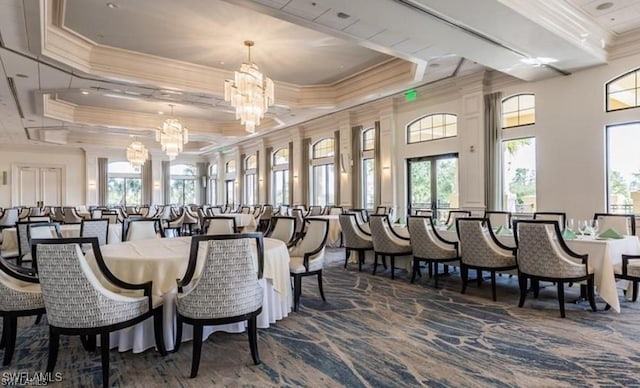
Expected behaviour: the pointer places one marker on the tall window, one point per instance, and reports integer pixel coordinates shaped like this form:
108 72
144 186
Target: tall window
518 154
213 184
183 184
323 180
623 168
281 176
368 168
432 127
230 167
250 181
124 184
230 190
433 184
624 92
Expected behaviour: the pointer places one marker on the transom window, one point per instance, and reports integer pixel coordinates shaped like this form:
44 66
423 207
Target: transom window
432 127
518 110
250 163
281 157
623 92
368 139
323 149
230 167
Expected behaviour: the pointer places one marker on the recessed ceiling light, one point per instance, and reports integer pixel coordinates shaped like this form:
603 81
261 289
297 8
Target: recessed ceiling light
160 112
84 92
222 62
603 6
112 5
20 75
343 15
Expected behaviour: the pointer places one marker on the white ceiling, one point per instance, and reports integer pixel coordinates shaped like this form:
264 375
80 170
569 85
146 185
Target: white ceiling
300 44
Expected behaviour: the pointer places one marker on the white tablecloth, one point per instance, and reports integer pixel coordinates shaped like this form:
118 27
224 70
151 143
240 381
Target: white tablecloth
10 235
246 221
165 260
335 231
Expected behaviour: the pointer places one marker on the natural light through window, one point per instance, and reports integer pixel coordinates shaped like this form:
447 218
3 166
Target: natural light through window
323 178
432 127
518 110
281 177
124 186
623 168
519 175
623 92
183 184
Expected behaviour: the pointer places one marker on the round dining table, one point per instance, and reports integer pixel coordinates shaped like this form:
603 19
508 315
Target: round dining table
162 261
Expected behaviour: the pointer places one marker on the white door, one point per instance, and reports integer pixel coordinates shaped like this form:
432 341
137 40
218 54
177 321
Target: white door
39 184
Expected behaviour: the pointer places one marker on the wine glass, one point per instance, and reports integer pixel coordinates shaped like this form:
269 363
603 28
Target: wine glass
583 226
595 228
570 224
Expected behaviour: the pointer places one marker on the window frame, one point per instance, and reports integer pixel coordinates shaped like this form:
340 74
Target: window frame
250 179
444 115
132 174
281 168
636 72
367 154
323 161
517 95
183 178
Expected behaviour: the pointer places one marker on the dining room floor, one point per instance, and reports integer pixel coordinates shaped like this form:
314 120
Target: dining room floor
374 331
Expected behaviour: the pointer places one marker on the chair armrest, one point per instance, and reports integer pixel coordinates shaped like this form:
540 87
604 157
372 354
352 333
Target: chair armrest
501 245
17 272
625 262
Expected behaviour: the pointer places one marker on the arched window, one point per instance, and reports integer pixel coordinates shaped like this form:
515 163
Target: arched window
124 185
623 91
183 184
323 178
213 184
432 127
230 167
518 110
368 167
280 171
250 181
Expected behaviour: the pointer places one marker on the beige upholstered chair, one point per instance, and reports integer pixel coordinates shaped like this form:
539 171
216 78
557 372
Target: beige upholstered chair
355 239
621 223
299 215
227 290
499 218
429 246
629 270
455 214
78 304
480 250
545 256
559 217
141 229
282 228
220 225
71 216
307 257
386 242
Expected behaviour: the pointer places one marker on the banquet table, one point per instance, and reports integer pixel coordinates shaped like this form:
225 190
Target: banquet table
162 261
334 239
10 235
604 254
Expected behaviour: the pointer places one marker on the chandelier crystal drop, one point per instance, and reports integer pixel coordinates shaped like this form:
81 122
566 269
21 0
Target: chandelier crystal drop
137 154
250 92
172 136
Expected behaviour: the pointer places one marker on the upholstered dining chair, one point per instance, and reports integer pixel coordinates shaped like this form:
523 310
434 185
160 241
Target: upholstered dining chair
354 238
111 216
455 214
481 250
191 222
629 270
39 219
307 257
77 303
559 217
299 216
335 210
71 216
220 225
141 229
386 242
24 231
283 228
424 212
621 223
429 246
9 218
98 228
20 296
314 211
544 256
227 290
499 218
265 217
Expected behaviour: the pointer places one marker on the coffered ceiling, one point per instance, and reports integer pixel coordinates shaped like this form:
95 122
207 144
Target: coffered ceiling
95 72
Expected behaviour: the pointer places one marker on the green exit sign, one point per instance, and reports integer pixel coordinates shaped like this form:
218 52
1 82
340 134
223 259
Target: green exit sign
410 95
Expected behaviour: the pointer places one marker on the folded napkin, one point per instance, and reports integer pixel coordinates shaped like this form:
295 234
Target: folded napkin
610 233
502 231
568 234
452 227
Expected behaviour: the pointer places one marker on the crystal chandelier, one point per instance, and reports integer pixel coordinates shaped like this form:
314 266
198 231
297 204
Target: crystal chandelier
137 154
172 136
251 93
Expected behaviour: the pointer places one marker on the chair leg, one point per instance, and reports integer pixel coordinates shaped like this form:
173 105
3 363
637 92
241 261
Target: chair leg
384 261
3 340
561 298
253 339
88 342
179 324
104 351
375 263
320 286
479 277
464 274
435 276
158 331
522 281
393 267
416 268
54 344
635 291
197 349
361 255
347 253
535 284
38 319
493 285
11 328
591 294
431 269
297 291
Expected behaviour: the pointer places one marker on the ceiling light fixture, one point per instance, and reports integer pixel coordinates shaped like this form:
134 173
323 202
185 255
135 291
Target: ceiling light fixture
137 154
112 5
172 136
251 93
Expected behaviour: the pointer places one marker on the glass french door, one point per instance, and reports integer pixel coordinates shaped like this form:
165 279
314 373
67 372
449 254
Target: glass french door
433 184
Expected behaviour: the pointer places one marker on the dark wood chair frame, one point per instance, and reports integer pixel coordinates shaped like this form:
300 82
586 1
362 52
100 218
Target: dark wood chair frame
631 217
392 256
430 262
198 324
535 280
297 277
624 275
509 215
562 215
55 225
127 222
272 225
106 234
88 335
206 220
464 268
360 251
467 214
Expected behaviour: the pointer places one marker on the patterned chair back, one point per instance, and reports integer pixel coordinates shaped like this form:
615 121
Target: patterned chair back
23 231
455 214
95 228
9 217
476 246
14 296
220 225
214 211
353 237
425 243
541 253
621 223
284 228
228 285
383 239
96 214
73 296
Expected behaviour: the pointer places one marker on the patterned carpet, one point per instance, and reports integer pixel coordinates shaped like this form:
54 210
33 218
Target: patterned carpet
374 332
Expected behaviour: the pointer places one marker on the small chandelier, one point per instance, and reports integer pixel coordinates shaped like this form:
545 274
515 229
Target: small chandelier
172 136
137 154
251 93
